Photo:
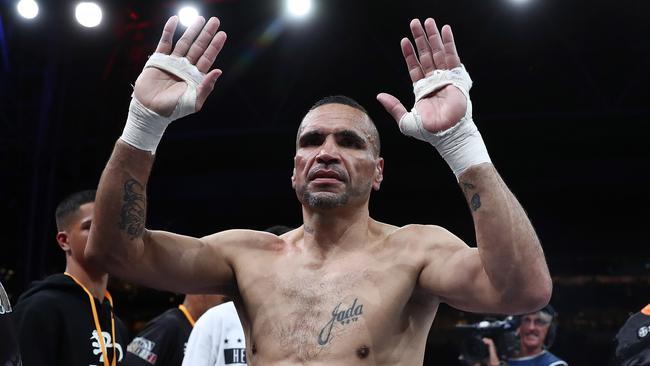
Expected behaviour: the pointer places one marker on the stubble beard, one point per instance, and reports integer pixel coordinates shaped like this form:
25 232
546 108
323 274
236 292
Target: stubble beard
329 200
324 201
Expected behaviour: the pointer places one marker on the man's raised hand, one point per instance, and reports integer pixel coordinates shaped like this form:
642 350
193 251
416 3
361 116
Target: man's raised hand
444 107
442 114
160 90
175 81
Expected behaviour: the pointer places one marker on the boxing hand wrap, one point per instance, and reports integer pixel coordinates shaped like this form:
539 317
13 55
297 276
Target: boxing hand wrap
144 127
460 145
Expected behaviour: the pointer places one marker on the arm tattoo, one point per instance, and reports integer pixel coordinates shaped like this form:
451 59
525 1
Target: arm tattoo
475 203
133 212
340 316
475 200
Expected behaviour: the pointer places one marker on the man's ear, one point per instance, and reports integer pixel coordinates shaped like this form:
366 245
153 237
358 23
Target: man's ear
379 174
293 178
62 239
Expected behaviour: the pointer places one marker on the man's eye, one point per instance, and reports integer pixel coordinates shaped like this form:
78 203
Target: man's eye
311 141
351 142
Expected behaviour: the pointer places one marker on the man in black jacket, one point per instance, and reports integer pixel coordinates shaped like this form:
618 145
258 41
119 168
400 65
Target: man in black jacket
164 339
633 340
67 319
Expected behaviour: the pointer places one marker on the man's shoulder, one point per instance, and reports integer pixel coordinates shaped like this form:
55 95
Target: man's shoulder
219 311
545 358
552 360
422 236
169 319
52 293
415 229
162 332
242 239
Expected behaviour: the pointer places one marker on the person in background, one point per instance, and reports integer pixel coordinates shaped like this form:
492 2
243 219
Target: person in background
67 319
9 352
537 333
217 339
164 339
633 340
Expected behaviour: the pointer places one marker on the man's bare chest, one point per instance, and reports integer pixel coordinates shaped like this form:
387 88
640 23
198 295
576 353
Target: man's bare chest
311 308
295 280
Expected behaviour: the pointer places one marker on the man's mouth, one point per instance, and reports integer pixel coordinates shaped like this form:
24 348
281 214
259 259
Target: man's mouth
324 175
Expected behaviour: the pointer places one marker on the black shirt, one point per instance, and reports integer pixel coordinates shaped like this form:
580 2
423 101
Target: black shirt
633 340
55 325
161 342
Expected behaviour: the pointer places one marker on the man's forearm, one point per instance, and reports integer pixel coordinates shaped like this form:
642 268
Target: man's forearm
509 248
120 207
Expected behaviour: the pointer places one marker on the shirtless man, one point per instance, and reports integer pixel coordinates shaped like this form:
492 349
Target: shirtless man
343 288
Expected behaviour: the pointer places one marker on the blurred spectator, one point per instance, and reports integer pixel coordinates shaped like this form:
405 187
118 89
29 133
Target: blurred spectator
164 339
9 352
536 334
633 340
217 339
67 319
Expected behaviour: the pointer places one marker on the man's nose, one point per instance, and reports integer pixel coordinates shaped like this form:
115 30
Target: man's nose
328 153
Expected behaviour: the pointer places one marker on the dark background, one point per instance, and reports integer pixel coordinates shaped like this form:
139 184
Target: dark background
560 96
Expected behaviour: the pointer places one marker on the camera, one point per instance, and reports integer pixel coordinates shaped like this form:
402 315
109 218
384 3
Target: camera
502 332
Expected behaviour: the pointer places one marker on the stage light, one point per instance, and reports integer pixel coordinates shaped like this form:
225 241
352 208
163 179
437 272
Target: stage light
88 14
519 2
28 9
187 15
299 8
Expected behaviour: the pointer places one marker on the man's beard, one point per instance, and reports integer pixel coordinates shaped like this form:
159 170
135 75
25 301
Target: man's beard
328 200
324 201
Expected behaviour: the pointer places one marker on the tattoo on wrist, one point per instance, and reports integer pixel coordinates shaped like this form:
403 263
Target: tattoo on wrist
475 199
341 315
133 212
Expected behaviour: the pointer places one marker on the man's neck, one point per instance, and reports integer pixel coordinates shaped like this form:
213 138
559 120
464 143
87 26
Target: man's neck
529 352
337 228
94 282
194 310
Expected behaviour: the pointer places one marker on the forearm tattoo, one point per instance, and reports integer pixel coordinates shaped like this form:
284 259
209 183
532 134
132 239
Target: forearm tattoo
133 212
475 199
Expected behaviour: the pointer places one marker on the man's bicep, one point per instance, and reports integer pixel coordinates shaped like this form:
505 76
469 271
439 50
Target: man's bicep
454 272
184 264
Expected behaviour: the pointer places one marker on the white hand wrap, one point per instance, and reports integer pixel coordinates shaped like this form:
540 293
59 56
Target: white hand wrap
461 145
144 127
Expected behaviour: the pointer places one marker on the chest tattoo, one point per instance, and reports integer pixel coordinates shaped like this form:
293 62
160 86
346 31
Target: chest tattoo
342 315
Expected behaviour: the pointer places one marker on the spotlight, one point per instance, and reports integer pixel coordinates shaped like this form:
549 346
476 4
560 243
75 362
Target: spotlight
187 15
28 9
88 14
299 8
519 2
